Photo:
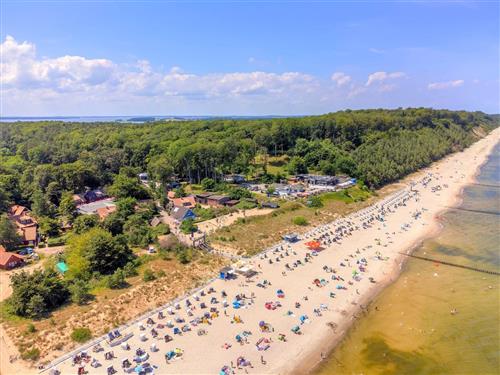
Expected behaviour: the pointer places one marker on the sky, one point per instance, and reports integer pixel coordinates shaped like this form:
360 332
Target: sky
239 57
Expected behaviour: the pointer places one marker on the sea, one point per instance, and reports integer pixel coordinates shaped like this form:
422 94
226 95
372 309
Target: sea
438 319
132 119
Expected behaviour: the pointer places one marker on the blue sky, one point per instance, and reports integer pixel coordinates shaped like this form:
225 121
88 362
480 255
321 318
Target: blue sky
246 58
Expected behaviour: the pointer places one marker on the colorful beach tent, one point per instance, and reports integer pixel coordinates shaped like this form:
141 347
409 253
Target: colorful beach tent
313 245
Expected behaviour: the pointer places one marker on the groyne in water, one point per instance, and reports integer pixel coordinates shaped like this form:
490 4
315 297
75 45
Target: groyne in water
490 272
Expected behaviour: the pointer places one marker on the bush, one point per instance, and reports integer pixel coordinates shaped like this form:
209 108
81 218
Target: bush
148 275
315 202
81 334
184 256
31 355
188 227
31 328
300 220
116 280
56 241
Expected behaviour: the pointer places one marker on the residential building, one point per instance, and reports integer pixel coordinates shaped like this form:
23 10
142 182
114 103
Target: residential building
8 260
188 202
182 213
217 200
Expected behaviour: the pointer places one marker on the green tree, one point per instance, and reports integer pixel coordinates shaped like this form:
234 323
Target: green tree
34 294
41 205
124 186
117 279
113 223
188 226
96 251
84 223
208 184
296 165
4 200
80 291
48 226
137 231
8 233
126 207
67 206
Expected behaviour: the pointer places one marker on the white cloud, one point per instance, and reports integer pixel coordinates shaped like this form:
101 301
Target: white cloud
22 70
340 78
379 77
445 85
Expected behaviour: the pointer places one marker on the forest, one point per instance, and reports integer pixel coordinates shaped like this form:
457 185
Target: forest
42 162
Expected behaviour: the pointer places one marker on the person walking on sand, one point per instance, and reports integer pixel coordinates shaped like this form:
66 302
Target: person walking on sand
262 360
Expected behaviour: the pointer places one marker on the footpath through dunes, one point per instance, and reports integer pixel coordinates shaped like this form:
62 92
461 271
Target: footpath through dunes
298 305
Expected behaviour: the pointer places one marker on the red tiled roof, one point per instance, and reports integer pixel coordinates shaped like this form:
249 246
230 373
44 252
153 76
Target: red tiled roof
17 210
105 211
29 233
6 258
188 202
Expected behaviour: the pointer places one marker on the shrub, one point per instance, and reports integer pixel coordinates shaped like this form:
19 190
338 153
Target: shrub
161 273
188 227
148 275
315 202
31 328
31 355
300 220
81 334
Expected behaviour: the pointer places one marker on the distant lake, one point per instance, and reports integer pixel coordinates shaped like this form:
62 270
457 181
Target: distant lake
131 119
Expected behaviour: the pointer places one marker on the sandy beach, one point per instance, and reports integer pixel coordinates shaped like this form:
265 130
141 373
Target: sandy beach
298 306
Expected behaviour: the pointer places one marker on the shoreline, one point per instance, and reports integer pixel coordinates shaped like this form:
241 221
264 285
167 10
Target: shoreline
437 227
316 336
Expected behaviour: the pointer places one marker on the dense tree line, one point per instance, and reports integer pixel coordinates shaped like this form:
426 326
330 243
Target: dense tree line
41 162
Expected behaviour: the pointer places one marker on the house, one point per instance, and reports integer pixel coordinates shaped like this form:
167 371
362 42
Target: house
155 221
318 179
232 202
27 226
202 198
217 200
188 202
94 207
8 260
104 212
78 199
94 195
182 213
234 178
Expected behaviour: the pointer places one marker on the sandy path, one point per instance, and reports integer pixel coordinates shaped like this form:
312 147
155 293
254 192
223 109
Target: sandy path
211 225
379 244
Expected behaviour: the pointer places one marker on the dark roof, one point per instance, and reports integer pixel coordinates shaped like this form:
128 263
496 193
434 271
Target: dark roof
218 197
204 195
179 213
